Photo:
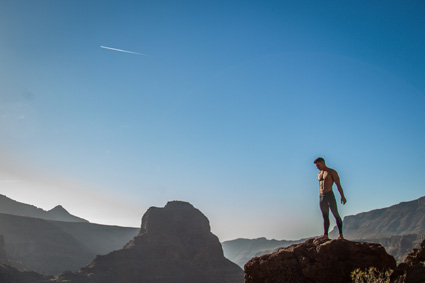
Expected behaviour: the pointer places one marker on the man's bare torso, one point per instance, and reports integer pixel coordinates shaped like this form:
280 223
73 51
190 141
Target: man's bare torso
326 180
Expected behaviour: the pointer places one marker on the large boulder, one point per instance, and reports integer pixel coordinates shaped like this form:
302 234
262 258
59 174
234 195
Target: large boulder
413 267
319 261
175 245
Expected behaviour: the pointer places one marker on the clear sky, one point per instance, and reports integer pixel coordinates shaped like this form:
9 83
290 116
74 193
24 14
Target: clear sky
224 104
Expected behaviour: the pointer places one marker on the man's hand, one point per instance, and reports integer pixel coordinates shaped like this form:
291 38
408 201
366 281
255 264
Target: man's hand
343 200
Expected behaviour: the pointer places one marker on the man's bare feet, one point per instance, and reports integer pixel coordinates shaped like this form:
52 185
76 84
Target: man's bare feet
324 237
340 237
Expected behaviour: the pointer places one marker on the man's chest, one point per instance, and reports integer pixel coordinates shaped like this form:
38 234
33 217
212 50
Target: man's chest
324 176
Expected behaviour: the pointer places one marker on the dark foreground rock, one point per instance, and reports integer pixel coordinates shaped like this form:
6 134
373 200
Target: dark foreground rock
318 261
175 245
413 266
10 274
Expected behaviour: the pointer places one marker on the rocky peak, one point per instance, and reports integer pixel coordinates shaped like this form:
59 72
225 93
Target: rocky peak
319 261
174 245
59 209
58 213
176 218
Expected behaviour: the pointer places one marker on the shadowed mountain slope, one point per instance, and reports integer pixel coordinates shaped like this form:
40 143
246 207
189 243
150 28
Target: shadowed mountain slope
51 247
39 245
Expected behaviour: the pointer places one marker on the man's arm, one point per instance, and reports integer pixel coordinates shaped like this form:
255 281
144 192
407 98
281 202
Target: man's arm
338 185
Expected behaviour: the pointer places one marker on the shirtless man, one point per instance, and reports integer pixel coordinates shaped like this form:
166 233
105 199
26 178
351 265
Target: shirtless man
327 177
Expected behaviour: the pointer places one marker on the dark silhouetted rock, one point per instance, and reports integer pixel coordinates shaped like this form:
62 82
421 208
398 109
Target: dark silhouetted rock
174 245
413 266
319 261
10 274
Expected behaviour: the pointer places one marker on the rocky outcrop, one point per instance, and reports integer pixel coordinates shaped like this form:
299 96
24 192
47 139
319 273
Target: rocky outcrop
413 266
174 245
319 261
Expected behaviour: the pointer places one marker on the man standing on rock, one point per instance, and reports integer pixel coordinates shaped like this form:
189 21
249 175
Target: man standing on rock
327 177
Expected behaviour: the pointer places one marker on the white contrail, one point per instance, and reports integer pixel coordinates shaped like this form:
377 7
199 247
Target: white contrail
120 50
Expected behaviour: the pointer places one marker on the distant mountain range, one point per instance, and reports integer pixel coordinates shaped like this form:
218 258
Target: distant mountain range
402 219
10 206
398 228
241 251
35 240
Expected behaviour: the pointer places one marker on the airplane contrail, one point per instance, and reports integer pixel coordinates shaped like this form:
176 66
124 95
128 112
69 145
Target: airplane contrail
120 50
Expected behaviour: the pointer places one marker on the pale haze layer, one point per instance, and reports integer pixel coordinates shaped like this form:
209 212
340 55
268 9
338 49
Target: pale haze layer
228 111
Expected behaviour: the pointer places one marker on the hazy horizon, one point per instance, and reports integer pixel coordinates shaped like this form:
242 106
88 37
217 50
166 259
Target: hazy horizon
109 108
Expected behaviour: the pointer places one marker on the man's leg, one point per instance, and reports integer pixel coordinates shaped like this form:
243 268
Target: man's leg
324 207
334 209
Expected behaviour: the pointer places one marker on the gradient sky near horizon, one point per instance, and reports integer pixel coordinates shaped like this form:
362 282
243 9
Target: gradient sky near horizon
224 104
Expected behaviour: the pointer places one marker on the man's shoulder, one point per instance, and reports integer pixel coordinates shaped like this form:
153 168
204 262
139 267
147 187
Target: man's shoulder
333 173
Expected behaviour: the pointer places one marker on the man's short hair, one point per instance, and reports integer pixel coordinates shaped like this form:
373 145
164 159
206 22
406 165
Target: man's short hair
319 159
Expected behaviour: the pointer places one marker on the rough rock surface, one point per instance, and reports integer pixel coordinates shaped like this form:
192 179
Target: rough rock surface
319 261
174 245
413 266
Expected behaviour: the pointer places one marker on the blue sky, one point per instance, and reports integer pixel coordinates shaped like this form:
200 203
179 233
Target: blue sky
227 106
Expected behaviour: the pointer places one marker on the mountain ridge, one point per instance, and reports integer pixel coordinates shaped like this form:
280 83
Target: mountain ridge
58 213
404 218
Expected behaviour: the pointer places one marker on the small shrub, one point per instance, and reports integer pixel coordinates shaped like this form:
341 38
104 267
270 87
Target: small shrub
371 275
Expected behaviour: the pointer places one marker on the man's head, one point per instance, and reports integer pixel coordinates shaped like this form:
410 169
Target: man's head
320 163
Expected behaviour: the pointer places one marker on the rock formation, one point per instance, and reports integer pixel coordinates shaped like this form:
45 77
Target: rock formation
413 266
174 245
319 261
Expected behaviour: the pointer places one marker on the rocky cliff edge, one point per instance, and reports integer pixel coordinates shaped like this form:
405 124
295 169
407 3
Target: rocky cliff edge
319 261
